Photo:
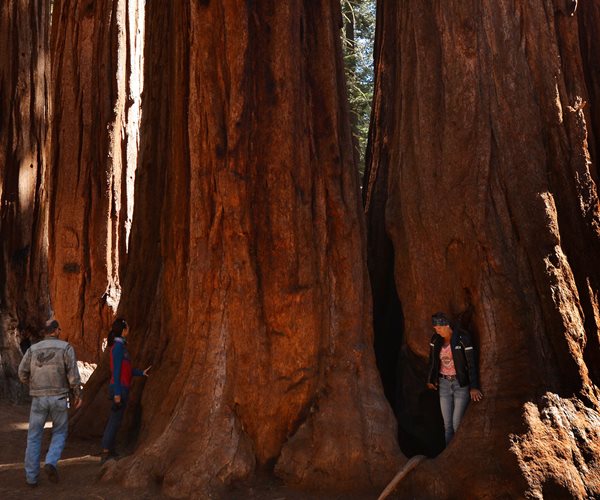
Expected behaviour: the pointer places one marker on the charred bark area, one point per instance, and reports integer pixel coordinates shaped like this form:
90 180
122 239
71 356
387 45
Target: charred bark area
96 62
483 167
24 117
246 285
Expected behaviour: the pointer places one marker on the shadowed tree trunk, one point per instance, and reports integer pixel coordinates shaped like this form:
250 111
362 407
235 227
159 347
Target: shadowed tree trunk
589 34
96 63
246 286
24 71
482 168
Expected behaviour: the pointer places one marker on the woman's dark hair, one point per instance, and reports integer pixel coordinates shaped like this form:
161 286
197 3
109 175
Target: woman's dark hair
116 330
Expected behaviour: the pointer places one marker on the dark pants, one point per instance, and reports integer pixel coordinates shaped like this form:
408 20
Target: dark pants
114 421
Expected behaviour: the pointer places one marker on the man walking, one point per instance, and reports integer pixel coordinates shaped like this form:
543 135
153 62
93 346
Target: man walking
50 369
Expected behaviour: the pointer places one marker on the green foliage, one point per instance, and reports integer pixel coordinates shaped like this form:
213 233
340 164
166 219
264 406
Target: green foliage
358 35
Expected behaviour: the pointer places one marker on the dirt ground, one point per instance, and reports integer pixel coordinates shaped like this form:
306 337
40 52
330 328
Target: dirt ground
80 471
79 468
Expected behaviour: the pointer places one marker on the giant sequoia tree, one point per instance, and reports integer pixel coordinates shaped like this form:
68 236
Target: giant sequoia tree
482 200
246 286
95 57
24 112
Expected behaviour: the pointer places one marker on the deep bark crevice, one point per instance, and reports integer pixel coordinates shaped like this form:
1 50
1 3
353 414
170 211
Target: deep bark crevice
388 328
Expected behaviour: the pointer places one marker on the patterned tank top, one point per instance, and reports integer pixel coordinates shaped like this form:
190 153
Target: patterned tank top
446 361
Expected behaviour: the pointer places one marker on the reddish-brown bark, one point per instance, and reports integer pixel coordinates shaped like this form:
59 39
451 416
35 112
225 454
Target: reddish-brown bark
246 285
589 36
481 169
24 73
94 53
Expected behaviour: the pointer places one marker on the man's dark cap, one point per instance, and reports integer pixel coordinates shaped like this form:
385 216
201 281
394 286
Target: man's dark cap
51 326
440 319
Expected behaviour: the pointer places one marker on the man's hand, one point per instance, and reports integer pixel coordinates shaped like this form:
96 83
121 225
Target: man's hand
117 399
78 402
476 395
431 386
147 370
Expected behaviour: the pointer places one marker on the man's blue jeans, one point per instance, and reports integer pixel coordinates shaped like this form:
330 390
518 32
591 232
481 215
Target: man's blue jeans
453 402
43 407
114 421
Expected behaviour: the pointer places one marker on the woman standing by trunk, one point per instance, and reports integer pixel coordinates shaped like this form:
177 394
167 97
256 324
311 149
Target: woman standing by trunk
452 370
121 374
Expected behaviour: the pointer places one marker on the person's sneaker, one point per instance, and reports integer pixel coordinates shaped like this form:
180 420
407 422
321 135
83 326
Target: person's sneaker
51 472
32 485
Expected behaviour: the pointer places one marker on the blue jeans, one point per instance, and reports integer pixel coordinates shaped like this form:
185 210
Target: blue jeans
453 402
114 421
43 407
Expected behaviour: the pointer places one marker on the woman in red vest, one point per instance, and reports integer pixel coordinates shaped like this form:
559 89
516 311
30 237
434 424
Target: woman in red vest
120 381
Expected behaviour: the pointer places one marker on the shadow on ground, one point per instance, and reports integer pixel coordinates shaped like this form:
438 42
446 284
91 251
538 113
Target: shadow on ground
80 471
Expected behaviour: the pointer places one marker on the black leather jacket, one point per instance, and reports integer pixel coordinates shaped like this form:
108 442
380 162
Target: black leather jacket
463 354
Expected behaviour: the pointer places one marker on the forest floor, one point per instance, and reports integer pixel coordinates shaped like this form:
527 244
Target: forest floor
80 471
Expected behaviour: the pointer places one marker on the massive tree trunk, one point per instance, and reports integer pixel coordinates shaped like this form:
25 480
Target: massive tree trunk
24 71
246 286
482 169
96 57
